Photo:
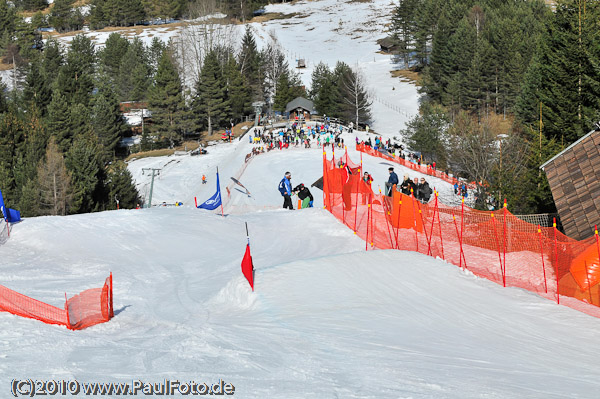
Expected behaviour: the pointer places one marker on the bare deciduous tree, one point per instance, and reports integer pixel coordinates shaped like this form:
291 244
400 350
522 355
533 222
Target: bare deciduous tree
54 182
203 33
355 96
489 152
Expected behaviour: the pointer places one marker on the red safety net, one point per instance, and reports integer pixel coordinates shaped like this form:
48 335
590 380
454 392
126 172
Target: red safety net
90 307
495 245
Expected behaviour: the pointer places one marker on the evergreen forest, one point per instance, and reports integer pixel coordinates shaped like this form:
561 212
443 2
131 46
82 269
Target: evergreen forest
506 85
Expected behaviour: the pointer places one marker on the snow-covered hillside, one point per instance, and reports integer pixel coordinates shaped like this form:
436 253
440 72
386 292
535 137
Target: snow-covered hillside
325 31
326 320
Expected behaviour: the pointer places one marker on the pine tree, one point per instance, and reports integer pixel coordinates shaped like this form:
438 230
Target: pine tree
563 76
324 92
210 104
37 88
75 78
403 28
249 61
282 90
3 102
52 60
111 55
426 132
58 121
83 166
134 73
238 92
166 101
79 121
63 18
121 186
107 122
54 182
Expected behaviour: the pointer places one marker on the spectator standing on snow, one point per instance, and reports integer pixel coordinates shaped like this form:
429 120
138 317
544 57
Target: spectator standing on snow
285 188
406 185
424 191
393 179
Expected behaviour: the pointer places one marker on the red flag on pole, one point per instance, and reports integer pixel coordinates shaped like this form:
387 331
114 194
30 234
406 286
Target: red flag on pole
248 267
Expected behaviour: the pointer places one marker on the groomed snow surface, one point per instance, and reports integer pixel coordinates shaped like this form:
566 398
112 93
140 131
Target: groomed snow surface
326 320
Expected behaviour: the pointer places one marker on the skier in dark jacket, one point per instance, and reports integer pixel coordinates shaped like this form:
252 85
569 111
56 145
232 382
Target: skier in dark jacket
304 195
393 179
285 188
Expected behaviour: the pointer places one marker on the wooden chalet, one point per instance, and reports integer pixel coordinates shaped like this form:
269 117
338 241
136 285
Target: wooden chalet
388 44
300 108
574 178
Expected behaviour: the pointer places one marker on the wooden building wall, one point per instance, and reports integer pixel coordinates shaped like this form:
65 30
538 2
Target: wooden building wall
574 178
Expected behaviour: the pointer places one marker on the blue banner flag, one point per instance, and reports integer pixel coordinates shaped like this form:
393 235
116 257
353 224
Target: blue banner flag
2 207
10 215
215 201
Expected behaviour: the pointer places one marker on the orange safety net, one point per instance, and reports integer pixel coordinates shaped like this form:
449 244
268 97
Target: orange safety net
425 169
90 307
495 245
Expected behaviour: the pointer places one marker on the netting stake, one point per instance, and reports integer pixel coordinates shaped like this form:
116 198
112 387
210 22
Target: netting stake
439 224
504 232
371 206
356 200
67 312
385 215
462 224
398 218
556 261
424 226
497 243
415 220
587 276
542 253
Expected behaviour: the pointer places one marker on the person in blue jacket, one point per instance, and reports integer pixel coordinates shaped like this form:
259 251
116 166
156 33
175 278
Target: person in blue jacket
285 188
393 179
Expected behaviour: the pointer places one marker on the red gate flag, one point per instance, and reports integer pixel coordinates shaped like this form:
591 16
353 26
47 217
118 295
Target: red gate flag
248 267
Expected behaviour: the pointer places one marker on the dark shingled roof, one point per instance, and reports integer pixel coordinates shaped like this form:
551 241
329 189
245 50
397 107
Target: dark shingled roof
300 102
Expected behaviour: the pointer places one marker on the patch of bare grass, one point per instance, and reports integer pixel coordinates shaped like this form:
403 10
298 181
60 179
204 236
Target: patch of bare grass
406 75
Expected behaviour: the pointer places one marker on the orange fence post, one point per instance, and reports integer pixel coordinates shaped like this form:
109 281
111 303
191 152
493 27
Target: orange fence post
439 224
459 241
497 243
371 207
462 225
356 202
67 312
432 223
415 220
597 244
424 227
343 199
556 261
504 234
587 276
386 213
368 219
112 310
398 218
542 252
